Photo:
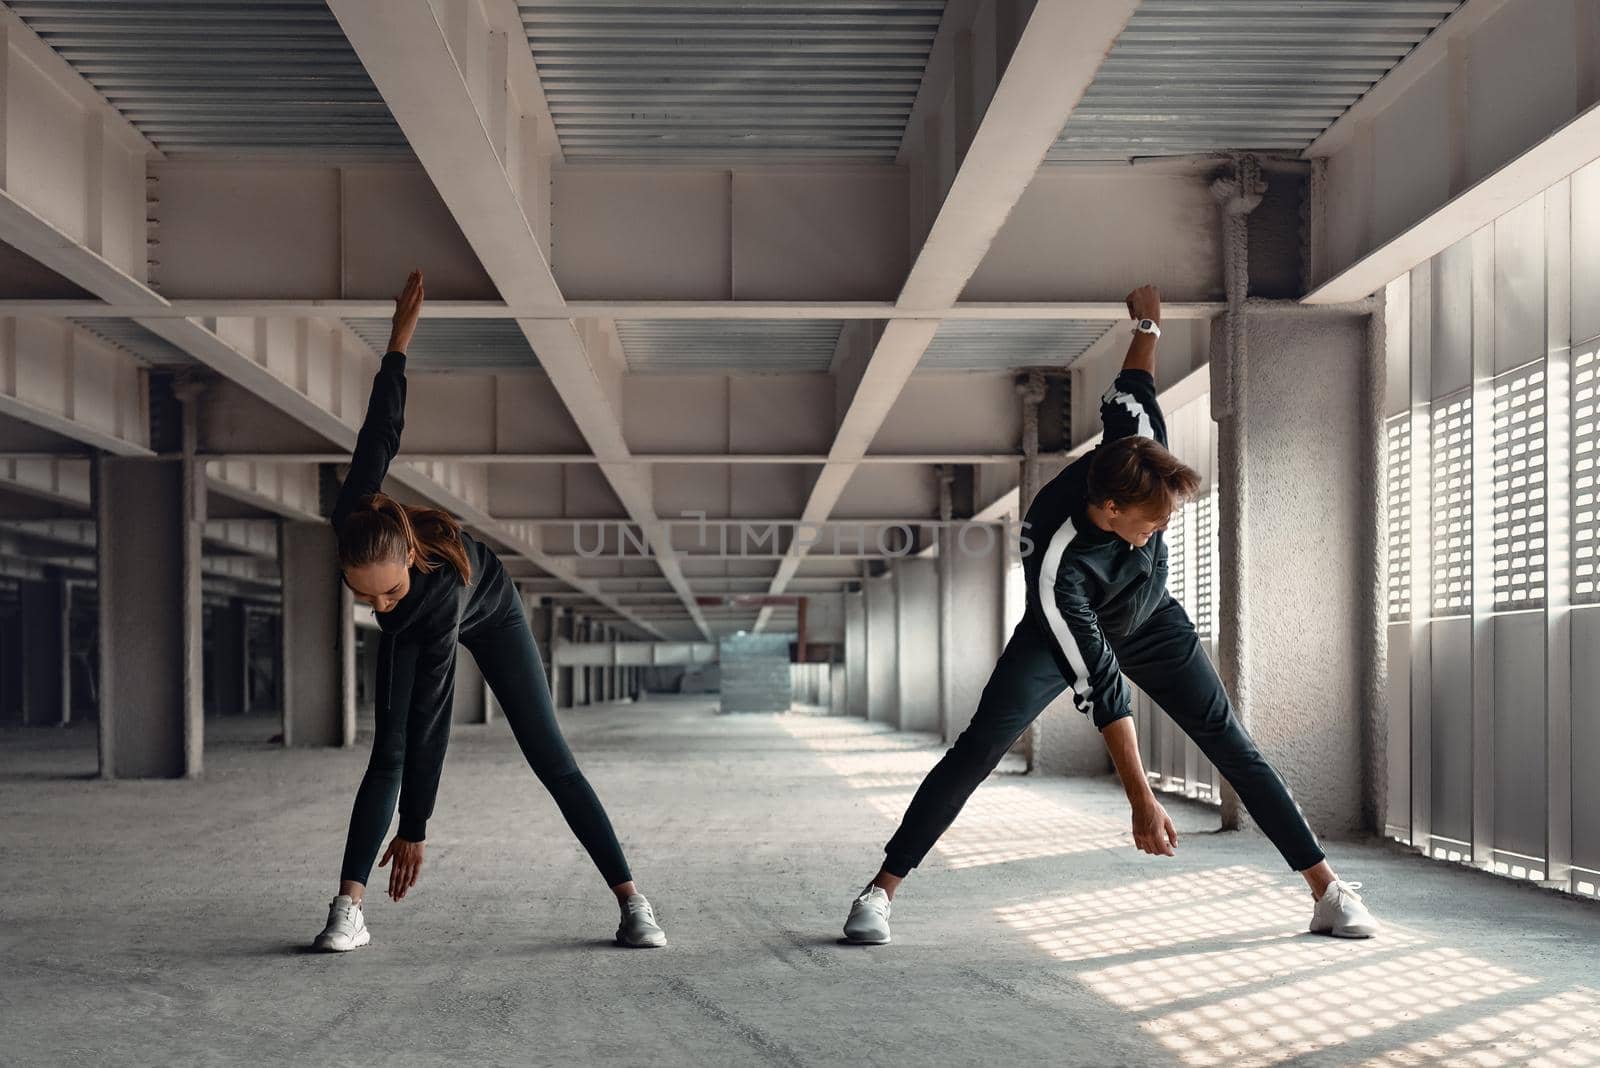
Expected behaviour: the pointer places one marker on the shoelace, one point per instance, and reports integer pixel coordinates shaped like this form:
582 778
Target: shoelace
1350 889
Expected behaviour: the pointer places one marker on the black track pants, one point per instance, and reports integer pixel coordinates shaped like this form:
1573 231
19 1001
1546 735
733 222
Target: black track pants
1164 659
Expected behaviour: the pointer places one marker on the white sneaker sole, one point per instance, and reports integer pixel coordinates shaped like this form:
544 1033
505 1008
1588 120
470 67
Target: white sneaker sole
853 940
325 945
641 945
1332 933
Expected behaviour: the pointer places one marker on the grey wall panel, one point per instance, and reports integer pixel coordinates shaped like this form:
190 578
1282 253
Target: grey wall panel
1519 280
1452 319
1519 733
1586 738
1399 810
1586 252
1452 729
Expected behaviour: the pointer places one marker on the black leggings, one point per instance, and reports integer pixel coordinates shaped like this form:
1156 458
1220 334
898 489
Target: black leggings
1164 659
509 660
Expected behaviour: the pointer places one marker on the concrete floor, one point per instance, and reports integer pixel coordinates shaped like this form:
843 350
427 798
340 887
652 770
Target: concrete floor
164 922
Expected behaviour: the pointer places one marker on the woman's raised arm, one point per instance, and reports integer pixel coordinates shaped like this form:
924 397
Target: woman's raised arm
379 439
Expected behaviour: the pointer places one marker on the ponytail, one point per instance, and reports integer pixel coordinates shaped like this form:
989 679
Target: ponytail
381 529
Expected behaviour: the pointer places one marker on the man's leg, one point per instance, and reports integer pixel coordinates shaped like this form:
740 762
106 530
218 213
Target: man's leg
1024 681
1164 659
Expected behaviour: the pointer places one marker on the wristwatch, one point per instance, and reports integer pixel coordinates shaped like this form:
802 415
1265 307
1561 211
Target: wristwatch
1147 326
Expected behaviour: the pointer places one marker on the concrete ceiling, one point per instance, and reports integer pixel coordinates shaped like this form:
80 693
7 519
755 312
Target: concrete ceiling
758 263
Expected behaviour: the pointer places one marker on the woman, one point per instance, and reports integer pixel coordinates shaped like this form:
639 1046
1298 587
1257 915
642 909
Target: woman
433 586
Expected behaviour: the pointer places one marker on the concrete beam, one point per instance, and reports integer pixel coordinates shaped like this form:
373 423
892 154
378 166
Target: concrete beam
1054 60
291 308
419 69
642 460
1464 129
60 378
83 215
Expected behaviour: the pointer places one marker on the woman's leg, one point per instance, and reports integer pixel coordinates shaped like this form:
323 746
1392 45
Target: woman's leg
380 786
511 666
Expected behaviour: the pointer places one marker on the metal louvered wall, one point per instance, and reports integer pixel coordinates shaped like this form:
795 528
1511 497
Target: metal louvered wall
1519 505
1398 512
1585 484
1452 505
1187 77
669 80
1172 760
1494 673
268 77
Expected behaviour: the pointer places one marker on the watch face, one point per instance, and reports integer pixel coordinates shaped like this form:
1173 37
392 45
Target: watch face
1146 324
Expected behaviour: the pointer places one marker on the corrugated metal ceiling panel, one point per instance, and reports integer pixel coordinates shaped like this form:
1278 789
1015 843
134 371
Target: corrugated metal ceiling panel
1194 76
731 81
275 77
150 349
729 346
471 345
1006 344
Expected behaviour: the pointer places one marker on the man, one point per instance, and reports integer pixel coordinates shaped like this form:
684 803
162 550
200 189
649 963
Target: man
1098 609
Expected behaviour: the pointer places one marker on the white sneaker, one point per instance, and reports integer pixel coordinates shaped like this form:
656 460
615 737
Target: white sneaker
1341 913
639 928
869 918
347 927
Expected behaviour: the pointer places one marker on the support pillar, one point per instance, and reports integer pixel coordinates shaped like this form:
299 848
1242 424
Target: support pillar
318 639
1298 672
855 654
917 642
150 514
44 651
580 672
561 678
883 676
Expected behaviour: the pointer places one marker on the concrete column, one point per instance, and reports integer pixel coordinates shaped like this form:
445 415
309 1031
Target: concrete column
317 639
608 690
471 703
226 678
917 642
580 672
855 654
883 676
560 677
547 617
976 566
150 514
44 651
1301 666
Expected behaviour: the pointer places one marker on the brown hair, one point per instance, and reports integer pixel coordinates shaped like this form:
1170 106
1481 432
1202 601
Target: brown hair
1135 471
383 529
